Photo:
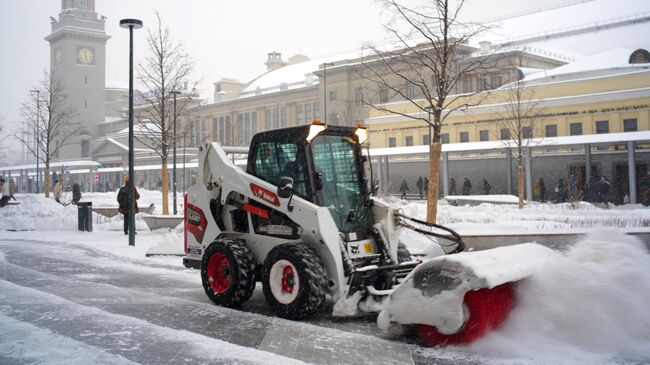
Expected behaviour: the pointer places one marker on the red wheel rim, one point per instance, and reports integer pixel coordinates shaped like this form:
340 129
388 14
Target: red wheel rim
288 280
219 273
487 309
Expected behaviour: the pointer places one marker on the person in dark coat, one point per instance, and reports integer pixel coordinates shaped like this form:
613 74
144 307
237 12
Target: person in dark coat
604 191
76 193
426 186
420 185
542 190
404 188
467 187
486 187
123 200
560 191
452 187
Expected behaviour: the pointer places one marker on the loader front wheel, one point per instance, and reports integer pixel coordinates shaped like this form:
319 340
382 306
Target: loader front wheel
294 281
486 309
228 272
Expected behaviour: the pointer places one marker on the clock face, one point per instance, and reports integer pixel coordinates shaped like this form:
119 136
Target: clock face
57 56
86 56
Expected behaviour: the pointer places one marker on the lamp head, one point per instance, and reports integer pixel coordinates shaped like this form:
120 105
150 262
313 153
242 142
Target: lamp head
131 23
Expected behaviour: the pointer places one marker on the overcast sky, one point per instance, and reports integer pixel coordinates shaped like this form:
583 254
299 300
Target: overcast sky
225 38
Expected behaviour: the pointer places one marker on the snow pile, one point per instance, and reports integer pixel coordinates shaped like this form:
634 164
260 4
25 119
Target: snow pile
588 306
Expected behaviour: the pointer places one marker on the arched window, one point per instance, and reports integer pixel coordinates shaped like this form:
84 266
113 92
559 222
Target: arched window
640 56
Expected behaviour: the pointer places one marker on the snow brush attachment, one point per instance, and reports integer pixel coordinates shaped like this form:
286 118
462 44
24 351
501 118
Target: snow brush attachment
459 298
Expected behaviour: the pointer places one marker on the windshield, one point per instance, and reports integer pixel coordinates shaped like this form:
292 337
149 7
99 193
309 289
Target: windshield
338 159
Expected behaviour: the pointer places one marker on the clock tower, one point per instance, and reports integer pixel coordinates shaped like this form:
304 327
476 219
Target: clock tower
78 60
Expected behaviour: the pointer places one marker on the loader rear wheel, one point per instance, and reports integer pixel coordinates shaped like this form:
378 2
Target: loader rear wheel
228 272
294 281
486 309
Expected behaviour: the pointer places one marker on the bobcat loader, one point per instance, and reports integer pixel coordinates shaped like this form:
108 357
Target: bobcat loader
300 218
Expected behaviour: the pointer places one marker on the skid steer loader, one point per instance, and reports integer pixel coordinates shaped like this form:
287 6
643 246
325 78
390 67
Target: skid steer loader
300 218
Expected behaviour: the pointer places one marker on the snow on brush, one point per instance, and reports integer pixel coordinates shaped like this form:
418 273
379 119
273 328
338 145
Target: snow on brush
586 306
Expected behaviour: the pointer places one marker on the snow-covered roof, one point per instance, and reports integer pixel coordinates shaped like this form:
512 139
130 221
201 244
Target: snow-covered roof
617 58
292 76
537 142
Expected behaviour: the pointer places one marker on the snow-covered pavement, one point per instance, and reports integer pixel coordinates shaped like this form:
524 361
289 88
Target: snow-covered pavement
84 297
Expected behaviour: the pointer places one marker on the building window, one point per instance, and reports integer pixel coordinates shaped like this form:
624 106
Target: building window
383 95
426 139
392 142
283 116
483 135
505 133
358 96
299 115
408 141
551 130
467 85
445 137
495 81
85 148
602 126
215 129
527 132
316 110
268 120
629 125
575 129
308 115
464 137
411 91
332 96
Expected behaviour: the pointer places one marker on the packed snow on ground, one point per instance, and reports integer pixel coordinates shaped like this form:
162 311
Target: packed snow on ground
588 306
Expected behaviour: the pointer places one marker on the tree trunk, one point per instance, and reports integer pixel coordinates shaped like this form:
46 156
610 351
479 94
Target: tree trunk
435 151
522 189
46 181
165 186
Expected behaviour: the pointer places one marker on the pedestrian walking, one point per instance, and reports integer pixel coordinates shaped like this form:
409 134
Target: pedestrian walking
452 187
467 187
123 200
486 187
420 184
58 190
604 191
404 188
4 188
542 190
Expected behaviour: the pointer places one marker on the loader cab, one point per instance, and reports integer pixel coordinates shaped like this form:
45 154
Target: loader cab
326 165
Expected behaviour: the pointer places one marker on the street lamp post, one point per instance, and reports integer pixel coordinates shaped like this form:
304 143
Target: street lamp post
38 132
325 64
131 24
174 92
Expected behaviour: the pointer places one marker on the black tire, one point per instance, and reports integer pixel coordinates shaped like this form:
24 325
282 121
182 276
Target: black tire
403 253
228 272
311 281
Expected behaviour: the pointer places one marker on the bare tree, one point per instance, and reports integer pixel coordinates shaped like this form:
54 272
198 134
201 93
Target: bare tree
426 64
518 124
165 70
53 129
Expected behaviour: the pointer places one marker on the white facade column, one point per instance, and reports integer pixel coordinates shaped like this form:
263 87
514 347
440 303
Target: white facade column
631 171
445 173
529 175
